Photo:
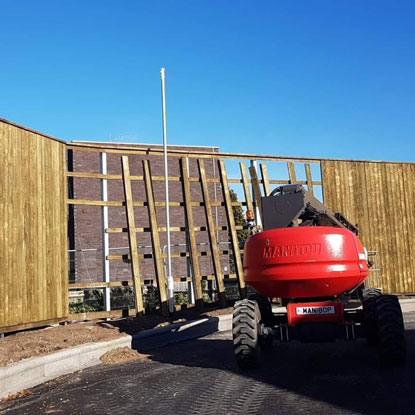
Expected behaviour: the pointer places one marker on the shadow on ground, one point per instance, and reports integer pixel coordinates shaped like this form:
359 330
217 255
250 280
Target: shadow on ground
200 377
342 375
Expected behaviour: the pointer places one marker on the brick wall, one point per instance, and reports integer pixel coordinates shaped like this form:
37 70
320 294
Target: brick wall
86 240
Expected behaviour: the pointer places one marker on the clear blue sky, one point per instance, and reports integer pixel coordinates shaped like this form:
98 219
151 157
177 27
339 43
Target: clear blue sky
311 78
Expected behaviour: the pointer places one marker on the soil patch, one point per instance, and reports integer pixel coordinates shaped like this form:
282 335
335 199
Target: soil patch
121 354
26 344
40 342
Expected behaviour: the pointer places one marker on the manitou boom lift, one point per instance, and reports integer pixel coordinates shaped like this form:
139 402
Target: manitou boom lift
313 260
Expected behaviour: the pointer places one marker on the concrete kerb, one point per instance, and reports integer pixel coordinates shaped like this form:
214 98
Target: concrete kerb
31 372
34 371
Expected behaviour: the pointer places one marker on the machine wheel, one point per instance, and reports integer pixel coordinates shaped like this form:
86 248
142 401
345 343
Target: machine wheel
245 331
265 307
390 331
369 315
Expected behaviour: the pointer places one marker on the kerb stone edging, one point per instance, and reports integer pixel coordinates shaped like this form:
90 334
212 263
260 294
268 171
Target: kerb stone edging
36 370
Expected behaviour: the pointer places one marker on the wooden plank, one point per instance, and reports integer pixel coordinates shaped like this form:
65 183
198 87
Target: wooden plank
257 191
3 213
86 175
194 263
231 221
132 237
97 315
101 284
291 173
245 184
309 178
125 257
174 229
158 262
31 325
141 204
119 177
265 179
212 234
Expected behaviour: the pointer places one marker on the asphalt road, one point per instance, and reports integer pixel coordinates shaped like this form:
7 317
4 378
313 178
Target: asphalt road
201 377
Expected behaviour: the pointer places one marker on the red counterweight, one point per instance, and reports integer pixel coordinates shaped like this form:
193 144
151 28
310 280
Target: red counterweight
304 262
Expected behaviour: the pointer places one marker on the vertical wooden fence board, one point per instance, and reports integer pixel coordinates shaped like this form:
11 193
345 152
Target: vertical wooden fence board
64 268
291 172
265 179
233 233
245 184
132 237
197 280
3 187
409 191
34 276
212 233
158 261
256 189
309 178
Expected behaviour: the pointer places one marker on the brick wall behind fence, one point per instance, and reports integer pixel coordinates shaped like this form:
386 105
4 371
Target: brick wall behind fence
87 261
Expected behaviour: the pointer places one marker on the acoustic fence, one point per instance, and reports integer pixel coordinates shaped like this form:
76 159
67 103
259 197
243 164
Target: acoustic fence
379 197
33 246
110 198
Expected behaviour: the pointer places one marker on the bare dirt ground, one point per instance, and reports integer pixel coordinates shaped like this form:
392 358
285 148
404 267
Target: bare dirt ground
120 355
39 342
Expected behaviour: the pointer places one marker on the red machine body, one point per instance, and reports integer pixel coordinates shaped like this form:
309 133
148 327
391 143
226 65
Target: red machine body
304 262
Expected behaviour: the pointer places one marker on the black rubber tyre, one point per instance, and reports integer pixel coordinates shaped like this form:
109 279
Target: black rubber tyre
245 333
369 315
390 331
265 307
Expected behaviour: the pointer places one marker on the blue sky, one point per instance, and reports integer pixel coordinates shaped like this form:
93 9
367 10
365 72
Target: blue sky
303 78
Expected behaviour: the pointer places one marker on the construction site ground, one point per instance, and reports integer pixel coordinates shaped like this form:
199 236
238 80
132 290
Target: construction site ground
39 342
201 377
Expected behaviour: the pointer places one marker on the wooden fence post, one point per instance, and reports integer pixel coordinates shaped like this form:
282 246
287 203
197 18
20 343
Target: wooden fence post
265 180
257 190
309 178
155 239
197 280
129 209
291 172
233 233
212 235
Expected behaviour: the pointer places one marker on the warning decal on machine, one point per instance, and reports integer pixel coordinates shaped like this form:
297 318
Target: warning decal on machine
315 310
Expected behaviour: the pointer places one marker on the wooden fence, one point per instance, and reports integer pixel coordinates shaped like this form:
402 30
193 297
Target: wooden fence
33 212
380 198
33 258
254 182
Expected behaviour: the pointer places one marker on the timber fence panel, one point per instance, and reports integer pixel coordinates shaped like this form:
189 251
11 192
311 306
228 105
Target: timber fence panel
33 269
378 197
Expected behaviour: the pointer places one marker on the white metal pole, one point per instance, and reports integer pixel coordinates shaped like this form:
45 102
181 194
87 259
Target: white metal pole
170 281
105 239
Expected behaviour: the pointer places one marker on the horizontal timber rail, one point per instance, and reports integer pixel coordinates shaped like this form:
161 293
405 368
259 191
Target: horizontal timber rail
177 179
175 229
129 283
121 257
141 204
132 149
